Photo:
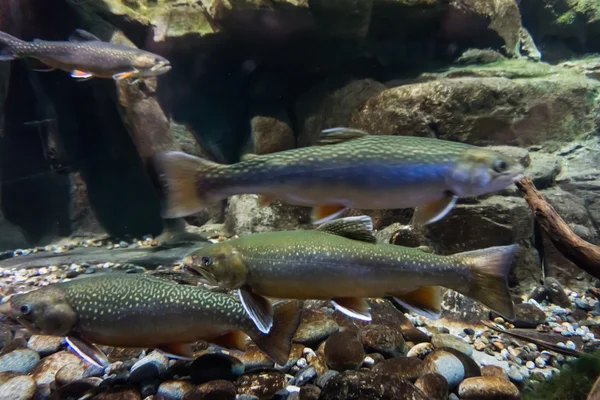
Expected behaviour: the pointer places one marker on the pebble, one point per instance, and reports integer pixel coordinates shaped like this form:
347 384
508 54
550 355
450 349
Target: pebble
45 371
316 326
515 375
530 364
447 340
175 390
219 389
446 364
44 345
382 339
434 386
69 373
309 392
120 393
570 345
556 293
20 387
304 376
493 370
362 385
487 387
343 351
214 366
149 367
78 388
540 362
404 367
420 350
262 384
21 360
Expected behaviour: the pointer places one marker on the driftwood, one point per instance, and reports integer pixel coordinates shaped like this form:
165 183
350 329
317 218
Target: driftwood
581 253
595 392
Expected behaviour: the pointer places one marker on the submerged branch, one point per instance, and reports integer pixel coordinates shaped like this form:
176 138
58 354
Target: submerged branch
581 253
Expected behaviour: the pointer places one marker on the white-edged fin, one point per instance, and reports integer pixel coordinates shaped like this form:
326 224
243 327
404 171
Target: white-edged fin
50 69
79 35
87 351
80 74
325 213
179 351
434 211
357 228
7 57
258 308
353 307
339 135
426 301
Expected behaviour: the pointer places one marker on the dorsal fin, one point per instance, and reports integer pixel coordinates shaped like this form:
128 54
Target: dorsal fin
357 228
79 35
339 135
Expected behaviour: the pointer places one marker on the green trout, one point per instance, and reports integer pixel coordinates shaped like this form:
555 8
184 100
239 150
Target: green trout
85 56
347 169
138 310
341 261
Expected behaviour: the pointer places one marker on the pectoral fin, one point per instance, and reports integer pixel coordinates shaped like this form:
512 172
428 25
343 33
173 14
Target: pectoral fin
231 340
426 300
80 74
354 307
88 351
324 213
434 211
258 308
123 75
181 351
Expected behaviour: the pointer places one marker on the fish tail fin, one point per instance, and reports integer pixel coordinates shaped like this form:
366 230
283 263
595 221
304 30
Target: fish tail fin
488 278
11 47
179 182
277 344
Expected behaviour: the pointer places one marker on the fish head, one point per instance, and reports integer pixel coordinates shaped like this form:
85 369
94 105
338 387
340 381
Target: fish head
481 171
43 311
149 64
220 264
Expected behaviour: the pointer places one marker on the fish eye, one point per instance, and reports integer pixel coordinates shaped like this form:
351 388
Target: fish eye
206 261
25 309
500 166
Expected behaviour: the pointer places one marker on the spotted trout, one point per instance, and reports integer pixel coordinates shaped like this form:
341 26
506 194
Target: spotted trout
347 169
85 56
138 310
341 261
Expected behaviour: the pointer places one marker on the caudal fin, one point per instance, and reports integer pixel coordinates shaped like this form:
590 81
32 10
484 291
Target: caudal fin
488 279
277 344
11 47
178 176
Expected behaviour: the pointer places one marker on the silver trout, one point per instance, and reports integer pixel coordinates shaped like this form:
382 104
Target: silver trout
341 261
347 169
85 56
138 310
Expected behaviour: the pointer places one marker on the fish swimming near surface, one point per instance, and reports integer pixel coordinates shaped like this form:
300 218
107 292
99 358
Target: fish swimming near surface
85 56
347 169
137 310
341 261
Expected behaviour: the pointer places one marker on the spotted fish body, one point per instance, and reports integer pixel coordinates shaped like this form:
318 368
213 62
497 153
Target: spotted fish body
349 169
84 55
138 310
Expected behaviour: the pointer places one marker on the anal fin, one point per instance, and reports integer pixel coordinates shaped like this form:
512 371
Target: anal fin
123 75
231 340
258 308
324 213
426 300
354 307
80 74
434 211
87 351
180 351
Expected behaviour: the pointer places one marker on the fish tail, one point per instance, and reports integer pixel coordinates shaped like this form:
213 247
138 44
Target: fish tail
11 47
179 177
488 278
277 344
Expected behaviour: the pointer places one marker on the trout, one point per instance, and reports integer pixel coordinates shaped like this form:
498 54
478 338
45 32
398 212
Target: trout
347 169
341 261
142 311
85 56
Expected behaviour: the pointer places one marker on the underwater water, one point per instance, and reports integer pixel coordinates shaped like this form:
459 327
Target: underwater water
299 199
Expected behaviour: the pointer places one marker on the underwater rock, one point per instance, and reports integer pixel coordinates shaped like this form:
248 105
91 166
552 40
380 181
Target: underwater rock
544 169
420 350
493 370
78 388
446 364
448 340
215 366
551 109
528 316
175 390
45 371
471 367
44 344
487 387
20 387
365 385
434 386
261 384
528 47
20 360
462 308
149 367
310 392
245 216
382 339
119 393
343 19
216 390
69 373
270 134
343 351
409 368
316 325
556 293
331 104
479 56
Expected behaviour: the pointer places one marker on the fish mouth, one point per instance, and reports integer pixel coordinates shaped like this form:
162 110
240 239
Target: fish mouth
161 67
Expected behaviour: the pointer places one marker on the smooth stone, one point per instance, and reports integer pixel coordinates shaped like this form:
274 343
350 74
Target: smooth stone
322 380
309 392
556 293
149 367
366 385
175 390
304 376
343 351
446 364
119 393
448 340
404 367
78 388
216 390
487 387
434 386
315 326
253 358
528 316
45 371
471 367
494 370
420 350
18 388
262 384
215 366
21 360
382 339
415 335
44 345
149 388
295 355
69 373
